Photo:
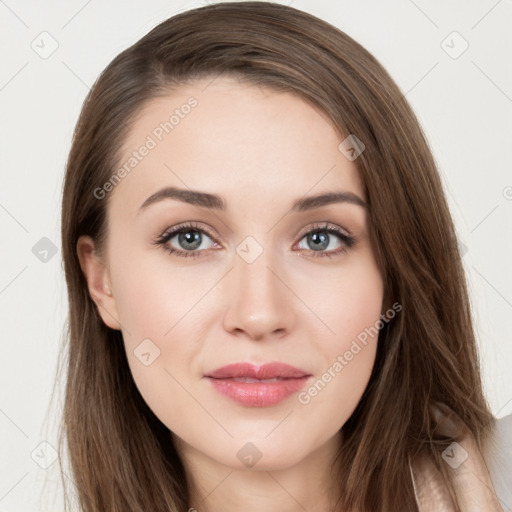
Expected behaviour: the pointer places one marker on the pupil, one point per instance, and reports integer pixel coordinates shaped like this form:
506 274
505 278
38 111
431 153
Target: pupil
320 240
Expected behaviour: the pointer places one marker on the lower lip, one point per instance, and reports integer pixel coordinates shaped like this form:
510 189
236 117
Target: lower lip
258 394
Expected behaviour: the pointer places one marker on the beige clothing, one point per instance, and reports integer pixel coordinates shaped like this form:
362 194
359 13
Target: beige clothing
499 462
484 484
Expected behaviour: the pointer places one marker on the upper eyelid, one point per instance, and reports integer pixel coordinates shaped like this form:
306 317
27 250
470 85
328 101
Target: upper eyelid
323 226
317 226
173 231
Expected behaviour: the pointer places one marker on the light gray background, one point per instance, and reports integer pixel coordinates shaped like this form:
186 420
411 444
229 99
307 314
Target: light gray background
463 103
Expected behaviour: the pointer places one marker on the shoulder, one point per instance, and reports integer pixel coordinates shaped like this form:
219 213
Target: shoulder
499 461
474 473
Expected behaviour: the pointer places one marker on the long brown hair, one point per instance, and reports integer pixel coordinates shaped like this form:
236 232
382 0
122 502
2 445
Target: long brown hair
121 455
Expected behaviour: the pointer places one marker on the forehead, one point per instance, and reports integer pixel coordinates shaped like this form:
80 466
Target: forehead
252 144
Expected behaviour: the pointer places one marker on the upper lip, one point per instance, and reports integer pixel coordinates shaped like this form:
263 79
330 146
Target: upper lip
265 371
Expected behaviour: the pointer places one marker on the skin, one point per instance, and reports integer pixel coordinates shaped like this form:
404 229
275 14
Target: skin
261 150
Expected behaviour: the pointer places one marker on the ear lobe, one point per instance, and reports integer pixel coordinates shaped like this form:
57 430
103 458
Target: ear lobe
98 281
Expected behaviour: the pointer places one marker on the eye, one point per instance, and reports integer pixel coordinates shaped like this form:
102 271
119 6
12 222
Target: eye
189 237
323 236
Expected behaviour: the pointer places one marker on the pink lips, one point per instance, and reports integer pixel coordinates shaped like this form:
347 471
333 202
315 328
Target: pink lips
255 386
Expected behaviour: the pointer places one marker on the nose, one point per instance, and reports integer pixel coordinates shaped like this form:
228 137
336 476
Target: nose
260 302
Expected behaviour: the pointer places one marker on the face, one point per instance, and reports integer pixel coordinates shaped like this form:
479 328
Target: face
259 275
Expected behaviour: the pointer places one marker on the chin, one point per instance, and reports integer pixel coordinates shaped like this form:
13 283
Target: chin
260 455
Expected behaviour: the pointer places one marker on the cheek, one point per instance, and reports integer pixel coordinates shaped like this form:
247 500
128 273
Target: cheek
160 323
358 320
352 309
162 313
154 294
348 300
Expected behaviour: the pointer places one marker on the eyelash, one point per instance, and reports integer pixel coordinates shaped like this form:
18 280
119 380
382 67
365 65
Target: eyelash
162 240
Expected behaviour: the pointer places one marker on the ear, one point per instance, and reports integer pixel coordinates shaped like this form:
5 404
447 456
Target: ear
98 281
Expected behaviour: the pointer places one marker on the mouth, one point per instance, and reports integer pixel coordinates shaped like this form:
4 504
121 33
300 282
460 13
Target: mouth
249 379
258 386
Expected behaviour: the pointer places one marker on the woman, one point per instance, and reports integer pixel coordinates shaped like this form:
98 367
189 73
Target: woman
267 303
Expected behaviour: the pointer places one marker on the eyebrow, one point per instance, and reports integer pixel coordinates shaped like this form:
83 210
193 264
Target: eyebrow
216 202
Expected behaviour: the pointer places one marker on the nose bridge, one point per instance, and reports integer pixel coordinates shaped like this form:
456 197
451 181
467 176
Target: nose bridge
252 270
259 301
